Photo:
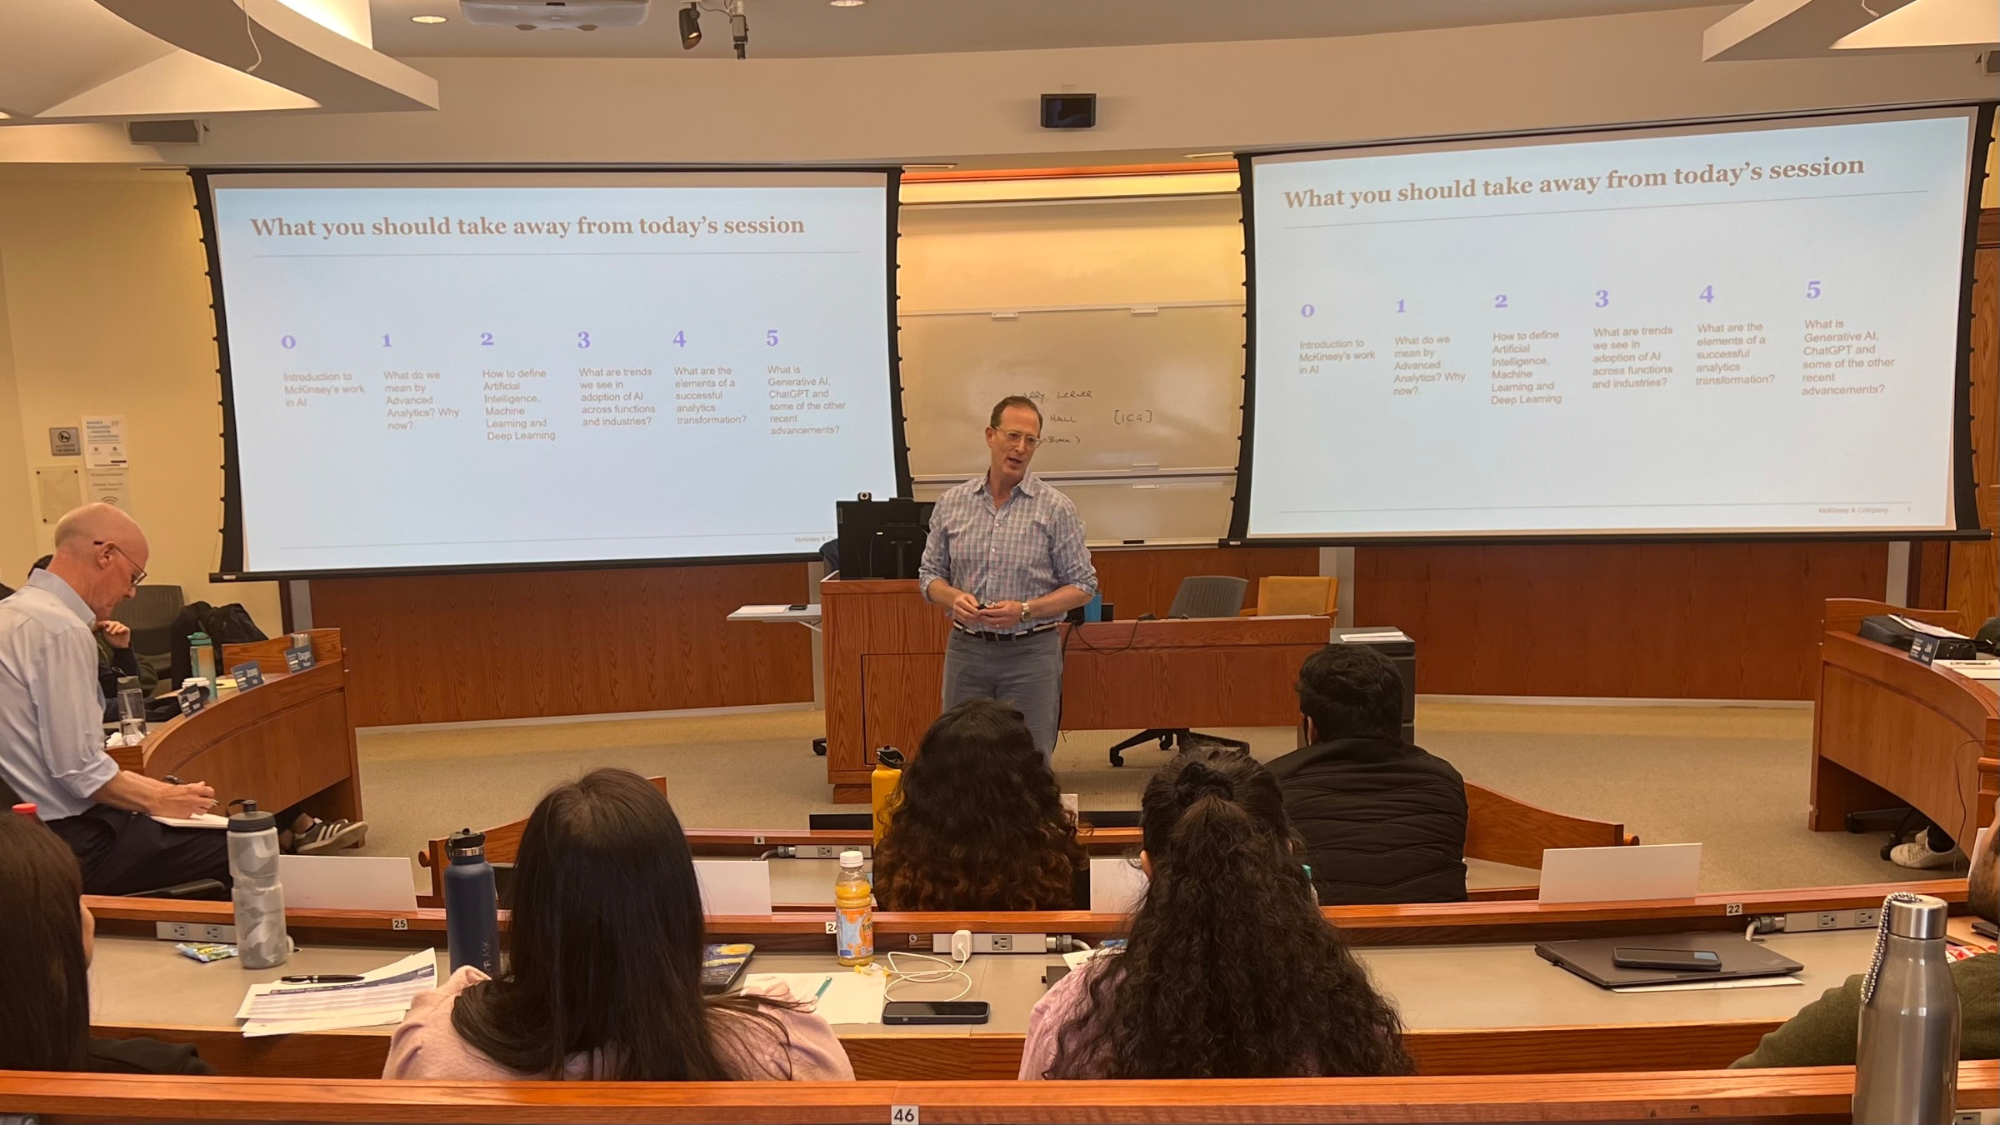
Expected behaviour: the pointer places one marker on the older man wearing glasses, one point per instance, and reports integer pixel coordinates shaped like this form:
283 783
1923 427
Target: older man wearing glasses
51 719
1006 558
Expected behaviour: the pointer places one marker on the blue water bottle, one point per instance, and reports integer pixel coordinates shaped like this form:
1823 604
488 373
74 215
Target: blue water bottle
471 908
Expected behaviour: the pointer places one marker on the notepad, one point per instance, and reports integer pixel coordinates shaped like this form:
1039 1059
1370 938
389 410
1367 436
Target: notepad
381 996
198 820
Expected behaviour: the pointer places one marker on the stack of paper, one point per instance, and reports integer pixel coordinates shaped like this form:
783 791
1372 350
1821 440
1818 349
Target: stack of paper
381 996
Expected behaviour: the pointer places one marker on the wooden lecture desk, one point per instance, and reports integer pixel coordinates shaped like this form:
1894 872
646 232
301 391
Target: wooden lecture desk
885 671
1888 731
290 742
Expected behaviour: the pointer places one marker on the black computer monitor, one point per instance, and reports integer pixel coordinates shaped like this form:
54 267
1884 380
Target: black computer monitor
882 538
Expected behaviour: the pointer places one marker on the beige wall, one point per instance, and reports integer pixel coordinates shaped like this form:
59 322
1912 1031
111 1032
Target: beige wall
106 310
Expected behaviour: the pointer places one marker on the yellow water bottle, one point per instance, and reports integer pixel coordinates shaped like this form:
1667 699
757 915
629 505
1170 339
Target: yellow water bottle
882 787
853 913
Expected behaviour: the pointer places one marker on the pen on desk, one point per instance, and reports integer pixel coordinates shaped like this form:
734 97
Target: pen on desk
322 978
823 986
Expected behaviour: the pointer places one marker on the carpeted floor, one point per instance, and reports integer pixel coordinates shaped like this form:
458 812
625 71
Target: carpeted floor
1733 778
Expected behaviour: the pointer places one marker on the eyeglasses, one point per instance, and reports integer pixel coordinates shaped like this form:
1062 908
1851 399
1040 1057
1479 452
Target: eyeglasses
1016 437
138 572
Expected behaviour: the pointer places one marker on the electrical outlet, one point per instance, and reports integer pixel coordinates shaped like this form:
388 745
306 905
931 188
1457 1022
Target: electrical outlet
224 934
1002 943
1868 919
1827 920
173 931
819 851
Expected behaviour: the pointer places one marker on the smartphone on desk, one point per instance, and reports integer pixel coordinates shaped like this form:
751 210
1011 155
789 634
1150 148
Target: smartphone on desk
934 1011
1673 960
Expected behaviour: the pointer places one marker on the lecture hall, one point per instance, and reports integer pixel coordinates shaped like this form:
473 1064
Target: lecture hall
911 562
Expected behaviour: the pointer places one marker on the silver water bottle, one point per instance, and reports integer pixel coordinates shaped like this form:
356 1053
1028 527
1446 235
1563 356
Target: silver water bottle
1906 1050
261 941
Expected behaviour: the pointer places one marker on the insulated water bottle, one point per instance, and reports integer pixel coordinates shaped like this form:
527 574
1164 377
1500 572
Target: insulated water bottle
1906 1048
258 896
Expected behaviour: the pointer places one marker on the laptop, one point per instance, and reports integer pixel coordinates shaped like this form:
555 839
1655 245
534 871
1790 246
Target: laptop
1590 958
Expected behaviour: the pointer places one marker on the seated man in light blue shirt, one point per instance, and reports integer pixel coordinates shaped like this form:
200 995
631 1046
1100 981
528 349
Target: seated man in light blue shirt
52 714
1005 556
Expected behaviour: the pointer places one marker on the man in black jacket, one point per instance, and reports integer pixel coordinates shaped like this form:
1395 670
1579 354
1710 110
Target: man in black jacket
1384 822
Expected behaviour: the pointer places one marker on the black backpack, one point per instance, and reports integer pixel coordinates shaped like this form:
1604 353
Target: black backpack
229 624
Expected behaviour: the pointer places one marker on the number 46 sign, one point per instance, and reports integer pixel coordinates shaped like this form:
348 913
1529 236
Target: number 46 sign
903 1115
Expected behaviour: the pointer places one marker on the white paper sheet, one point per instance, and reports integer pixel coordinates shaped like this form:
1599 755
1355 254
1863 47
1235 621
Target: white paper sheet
734 886
1620 874
199 820
803 987
854 998
1115 885
1708 985
347 882
381 996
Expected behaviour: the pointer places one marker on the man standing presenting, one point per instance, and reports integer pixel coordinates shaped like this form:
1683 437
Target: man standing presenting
1006 557
52 715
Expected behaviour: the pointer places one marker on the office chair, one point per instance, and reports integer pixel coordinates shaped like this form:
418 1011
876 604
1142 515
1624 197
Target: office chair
1200 596
150 615
1281 595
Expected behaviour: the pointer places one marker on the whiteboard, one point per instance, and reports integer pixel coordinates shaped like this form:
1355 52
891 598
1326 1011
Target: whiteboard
1159 389
1122 318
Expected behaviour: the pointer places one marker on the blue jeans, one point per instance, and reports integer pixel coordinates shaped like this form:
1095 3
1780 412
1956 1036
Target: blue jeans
1025 674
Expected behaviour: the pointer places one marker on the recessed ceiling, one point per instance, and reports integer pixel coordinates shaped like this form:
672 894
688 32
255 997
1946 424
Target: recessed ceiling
815 28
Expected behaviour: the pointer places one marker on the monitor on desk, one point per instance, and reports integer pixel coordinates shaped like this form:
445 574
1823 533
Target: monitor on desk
882 538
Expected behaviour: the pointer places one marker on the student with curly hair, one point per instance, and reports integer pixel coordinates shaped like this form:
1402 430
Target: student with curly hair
978 823
604 966
1230 970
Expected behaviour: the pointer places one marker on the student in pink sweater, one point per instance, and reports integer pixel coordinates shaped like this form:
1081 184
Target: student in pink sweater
604 973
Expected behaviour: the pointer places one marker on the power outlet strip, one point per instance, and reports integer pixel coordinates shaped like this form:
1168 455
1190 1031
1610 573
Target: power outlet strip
194 931
1866 918
996 943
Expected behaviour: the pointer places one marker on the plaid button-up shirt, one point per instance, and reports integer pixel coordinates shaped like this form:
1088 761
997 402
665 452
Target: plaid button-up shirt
1027 547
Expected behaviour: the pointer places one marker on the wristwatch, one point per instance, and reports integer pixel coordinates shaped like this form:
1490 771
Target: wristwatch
1024 613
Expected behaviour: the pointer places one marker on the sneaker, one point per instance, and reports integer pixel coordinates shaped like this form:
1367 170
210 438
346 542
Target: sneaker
1918 854
331 835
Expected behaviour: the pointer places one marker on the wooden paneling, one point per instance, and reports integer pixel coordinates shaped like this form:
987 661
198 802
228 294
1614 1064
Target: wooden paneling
1973 584
447 648
997 1057
1667 620
1813 1094
1139 582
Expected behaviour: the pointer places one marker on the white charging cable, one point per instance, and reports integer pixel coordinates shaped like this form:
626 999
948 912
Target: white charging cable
943 973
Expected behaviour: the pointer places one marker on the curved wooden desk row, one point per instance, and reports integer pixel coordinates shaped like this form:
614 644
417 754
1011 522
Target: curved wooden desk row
1581 1033
1415 924
290 742
1498 829
1888 731
1814 1094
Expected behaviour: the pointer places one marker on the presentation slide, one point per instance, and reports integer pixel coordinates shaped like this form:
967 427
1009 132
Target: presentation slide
436 370
1750 328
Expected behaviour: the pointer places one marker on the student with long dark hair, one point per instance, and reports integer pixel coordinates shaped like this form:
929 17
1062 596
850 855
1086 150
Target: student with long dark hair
604 973
48 936
1230 970
978 823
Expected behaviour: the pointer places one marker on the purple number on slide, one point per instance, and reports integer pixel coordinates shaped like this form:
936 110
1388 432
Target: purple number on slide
288 341
1307 310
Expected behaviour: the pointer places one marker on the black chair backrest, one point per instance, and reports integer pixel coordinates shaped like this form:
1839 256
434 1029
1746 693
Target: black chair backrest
150 615
1209 595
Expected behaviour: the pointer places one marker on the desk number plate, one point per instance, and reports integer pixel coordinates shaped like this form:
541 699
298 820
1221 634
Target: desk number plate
299 659
903 1115
192 699
248 675
1923 648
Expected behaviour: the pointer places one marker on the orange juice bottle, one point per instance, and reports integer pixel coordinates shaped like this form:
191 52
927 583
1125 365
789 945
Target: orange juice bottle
854 913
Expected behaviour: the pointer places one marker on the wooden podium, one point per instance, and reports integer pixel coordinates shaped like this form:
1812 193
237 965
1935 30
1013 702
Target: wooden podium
1889 731
885 673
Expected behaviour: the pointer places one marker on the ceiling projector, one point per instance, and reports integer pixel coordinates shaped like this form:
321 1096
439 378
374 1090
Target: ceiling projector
583 15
